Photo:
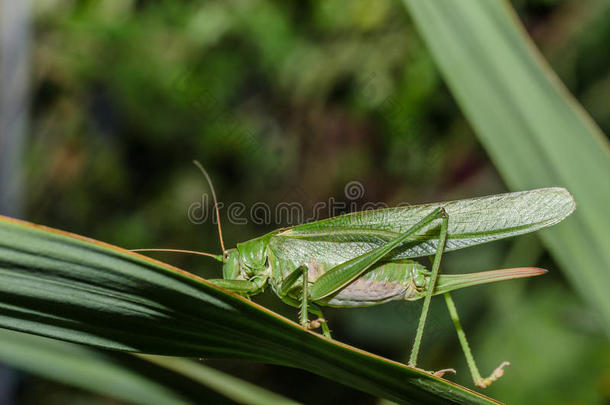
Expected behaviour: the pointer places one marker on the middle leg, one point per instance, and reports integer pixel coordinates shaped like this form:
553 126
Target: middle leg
430 290
303 304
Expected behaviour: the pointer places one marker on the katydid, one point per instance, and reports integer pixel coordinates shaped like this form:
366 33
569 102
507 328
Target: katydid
365 258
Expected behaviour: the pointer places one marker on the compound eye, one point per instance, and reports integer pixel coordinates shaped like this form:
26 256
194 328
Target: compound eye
226 255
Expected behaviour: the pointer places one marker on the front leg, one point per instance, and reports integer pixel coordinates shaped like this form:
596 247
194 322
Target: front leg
242 287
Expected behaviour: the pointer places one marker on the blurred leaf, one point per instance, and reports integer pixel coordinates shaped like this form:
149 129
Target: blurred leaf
535 132
239 390
123 376
82 367
73 288
541 326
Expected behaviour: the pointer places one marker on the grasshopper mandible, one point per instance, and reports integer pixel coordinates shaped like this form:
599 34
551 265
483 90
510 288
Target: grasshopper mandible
364 258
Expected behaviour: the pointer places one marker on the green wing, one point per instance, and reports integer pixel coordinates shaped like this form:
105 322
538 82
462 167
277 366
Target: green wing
471 222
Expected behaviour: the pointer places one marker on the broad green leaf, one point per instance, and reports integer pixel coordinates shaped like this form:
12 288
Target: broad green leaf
535 132
73 288
167 381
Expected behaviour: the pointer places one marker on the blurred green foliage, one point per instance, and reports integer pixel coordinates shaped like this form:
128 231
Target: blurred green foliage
289 101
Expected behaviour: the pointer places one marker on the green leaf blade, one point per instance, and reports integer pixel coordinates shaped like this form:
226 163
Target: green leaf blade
533 129
76 289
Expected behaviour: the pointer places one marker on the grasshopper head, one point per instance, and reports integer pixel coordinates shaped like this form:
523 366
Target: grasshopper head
245 261
231 267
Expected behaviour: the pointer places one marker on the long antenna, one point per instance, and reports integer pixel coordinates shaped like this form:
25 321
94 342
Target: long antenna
205 174
191 252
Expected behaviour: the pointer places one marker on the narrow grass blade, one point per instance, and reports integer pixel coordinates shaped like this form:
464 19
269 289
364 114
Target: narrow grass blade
73 288
240 391
137 379
533 129
82 367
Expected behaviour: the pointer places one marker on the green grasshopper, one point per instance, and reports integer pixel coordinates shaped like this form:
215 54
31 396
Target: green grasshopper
365 258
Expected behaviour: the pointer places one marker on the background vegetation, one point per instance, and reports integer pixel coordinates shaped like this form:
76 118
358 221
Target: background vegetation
289 101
